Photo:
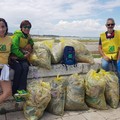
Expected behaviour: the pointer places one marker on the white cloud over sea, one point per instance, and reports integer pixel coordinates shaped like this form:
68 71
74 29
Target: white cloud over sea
61 17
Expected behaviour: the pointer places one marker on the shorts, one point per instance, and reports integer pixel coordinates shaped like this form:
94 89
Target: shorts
5 73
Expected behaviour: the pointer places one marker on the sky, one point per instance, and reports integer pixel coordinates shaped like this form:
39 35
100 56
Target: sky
83 18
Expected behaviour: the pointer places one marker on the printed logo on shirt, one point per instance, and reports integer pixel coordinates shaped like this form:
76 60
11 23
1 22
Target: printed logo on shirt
111 48
2 47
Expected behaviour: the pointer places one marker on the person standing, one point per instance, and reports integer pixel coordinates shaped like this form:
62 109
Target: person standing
109 44
22 45
5 45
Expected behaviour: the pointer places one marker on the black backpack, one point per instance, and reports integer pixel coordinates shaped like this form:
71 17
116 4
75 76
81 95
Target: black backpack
68 56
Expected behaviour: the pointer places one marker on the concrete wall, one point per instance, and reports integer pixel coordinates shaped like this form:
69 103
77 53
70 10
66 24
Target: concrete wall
59 69
41 73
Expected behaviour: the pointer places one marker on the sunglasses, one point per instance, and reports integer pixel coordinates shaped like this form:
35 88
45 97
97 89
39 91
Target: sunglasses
110 24
26 27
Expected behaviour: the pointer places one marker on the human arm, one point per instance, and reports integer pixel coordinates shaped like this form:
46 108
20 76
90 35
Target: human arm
15 49
118 54
31 42
29 46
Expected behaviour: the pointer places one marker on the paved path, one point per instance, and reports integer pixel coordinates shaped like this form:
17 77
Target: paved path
91 114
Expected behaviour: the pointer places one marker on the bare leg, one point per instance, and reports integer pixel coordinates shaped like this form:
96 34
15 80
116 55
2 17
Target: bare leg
7 90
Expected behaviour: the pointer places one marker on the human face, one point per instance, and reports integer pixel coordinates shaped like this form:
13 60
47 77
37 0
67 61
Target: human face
110 25
26 29
2 29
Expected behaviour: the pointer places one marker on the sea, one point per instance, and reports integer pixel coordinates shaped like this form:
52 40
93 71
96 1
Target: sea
66 37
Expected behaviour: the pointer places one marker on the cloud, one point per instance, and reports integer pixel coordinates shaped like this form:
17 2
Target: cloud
63 17
79 28
111 4
50 10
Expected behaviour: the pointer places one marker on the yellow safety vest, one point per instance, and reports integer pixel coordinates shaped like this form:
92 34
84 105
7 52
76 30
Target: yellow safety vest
110 46
5 45
23 42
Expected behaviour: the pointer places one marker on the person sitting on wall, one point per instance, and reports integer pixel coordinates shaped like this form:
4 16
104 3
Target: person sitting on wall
21 49
5 45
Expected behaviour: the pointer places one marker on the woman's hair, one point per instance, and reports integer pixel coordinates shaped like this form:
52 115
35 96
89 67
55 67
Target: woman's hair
111 20
24 23
3 20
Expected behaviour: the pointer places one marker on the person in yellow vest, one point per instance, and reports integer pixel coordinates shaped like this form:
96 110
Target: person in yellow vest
21 49
5 45
109 43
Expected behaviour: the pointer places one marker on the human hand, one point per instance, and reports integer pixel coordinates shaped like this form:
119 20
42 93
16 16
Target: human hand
106 58
27 55
28 48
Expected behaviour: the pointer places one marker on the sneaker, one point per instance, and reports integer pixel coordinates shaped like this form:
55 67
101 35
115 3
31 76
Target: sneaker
22 93
18 99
